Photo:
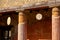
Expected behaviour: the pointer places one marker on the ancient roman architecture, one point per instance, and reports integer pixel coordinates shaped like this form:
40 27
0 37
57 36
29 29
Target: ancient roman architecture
50 11
55 23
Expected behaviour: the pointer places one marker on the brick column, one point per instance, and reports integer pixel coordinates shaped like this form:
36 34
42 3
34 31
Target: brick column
21 26
55 24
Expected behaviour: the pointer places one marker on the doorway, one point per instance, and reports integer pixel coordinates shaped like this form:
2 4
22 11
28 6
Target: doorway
8 32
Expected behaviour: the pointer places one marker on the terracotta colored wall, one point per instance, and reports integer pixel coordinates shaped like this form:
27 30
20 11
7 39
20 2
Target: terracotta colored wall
40 30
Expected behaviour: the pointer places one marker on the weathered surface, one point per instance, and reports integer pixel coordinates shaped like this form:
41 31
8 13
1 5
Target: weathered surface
21 27
55 24
9 5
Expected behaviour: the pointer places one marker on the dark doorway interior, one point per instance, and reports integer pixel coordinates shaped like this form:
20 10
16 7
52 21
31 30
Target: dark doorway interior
5 32
5 29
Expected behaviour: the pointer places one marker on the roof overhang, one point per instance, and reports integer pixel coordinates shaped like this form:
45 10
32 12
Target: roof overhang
25 4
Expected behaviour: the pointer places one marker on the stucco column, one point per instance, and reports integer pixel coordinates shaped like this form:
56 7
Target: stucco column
21 26
55 23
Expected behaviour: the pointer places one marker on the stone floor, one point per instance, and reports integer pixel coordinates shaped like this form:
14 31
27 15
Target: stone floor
42 39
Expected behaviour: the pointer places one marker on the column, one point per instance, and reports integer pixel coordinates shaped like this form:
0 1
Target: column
21 26
55 24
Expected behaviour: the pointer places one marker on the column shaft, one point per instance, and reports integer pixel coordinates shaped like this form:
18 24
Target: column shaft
21 27
55 24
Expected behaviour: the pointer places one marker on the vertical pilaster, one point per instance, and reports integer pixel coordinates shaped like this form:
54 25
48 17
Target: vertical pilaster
55 24
21 26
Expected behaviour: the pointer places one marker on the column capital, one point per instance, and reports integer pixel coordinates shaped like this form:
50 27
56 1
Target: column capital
21 17
55 11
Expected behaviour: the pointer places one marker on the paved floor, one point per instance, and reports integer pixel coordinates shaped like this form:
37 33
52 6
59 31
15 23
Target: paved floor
41 39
